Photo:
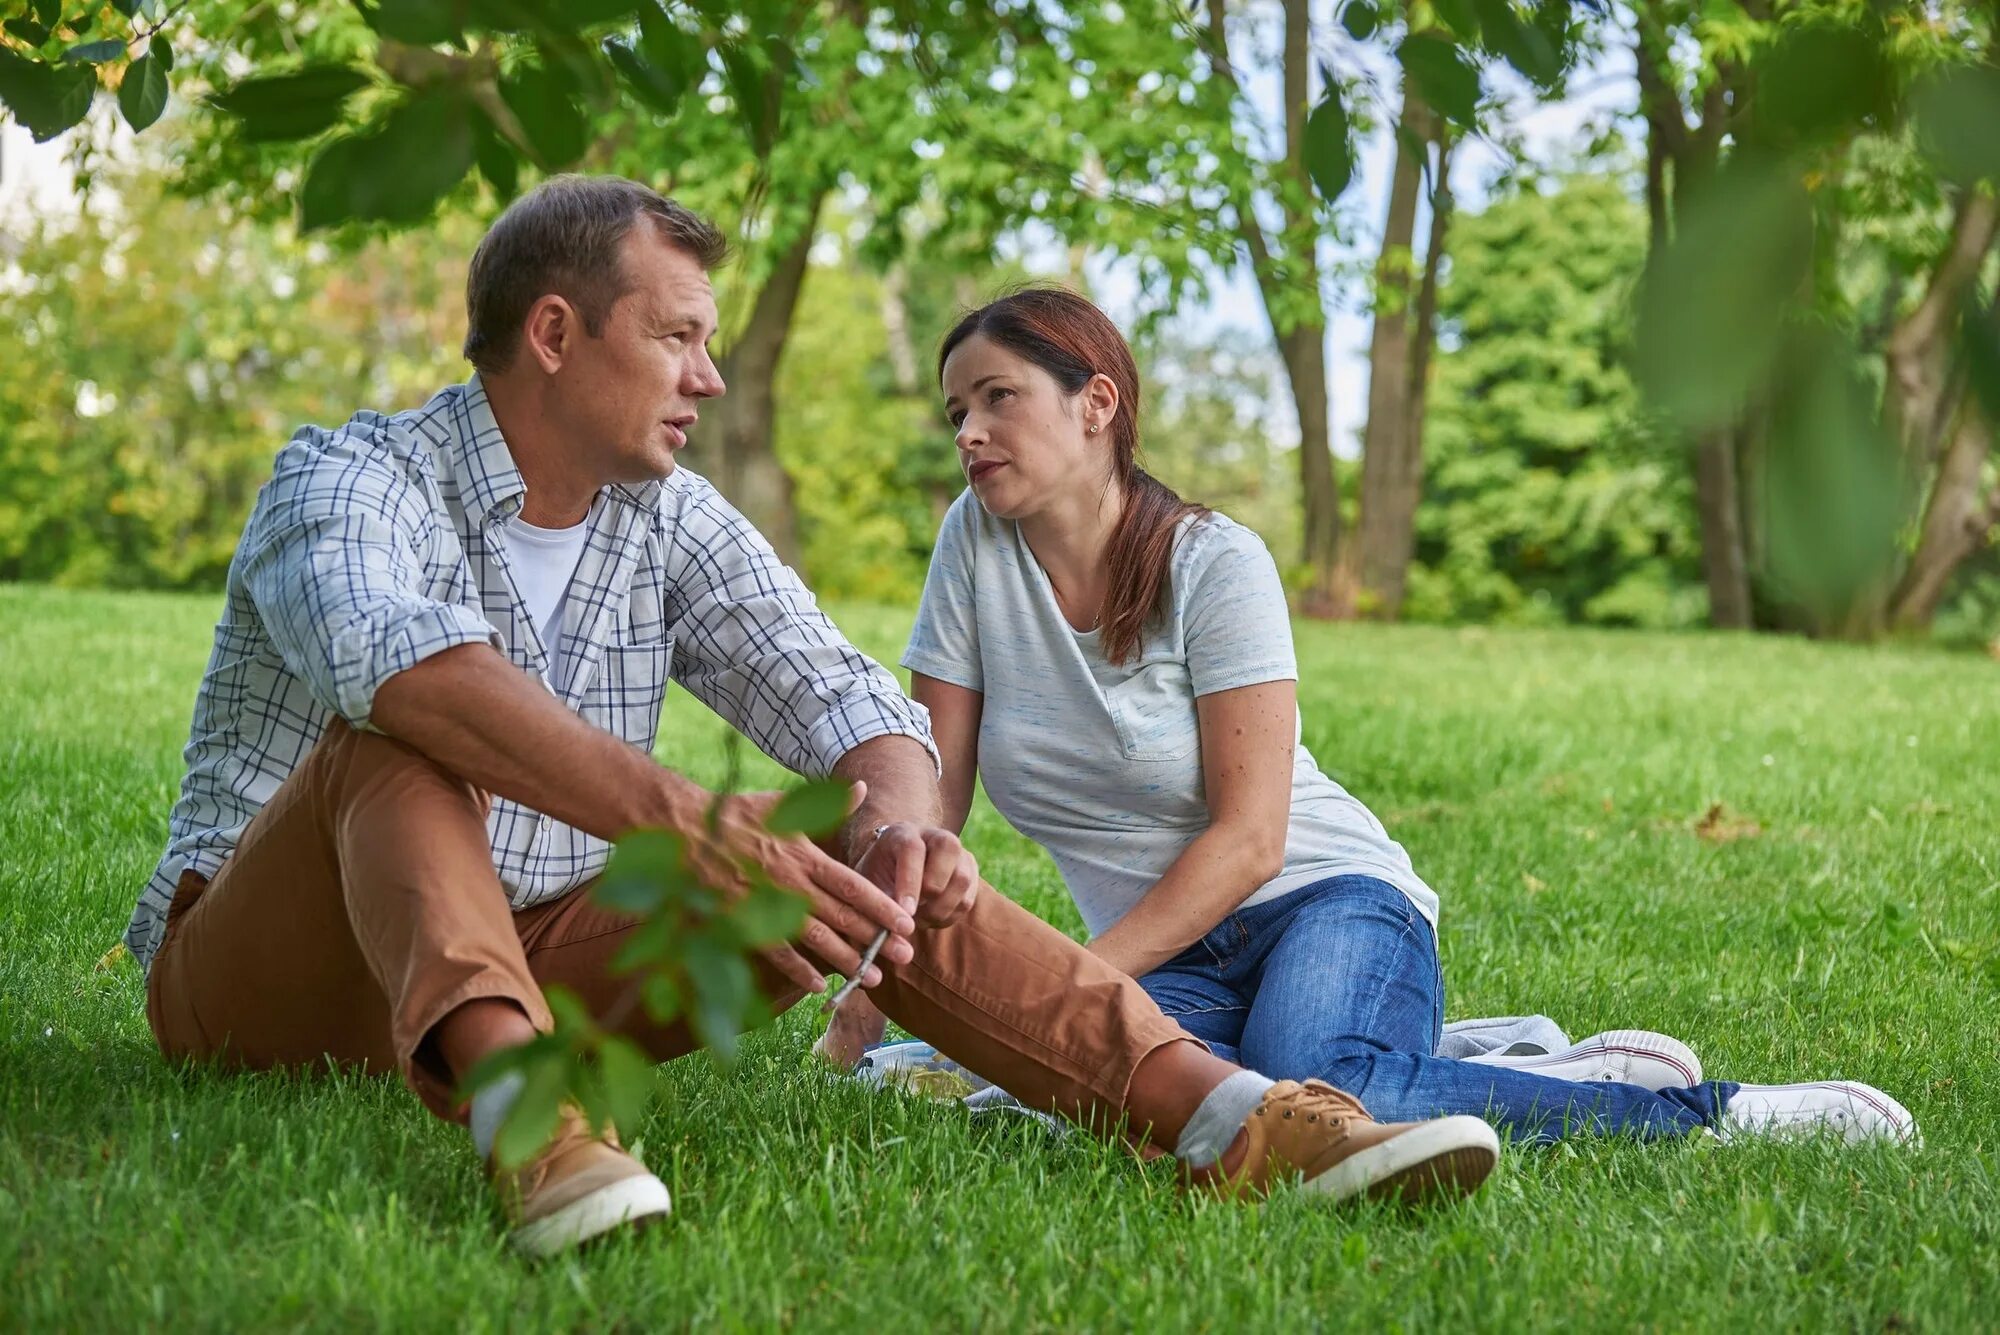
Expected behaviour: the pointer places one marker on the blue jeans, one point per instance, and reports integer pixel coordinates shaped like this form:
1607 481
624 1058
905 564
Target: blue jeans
1339 981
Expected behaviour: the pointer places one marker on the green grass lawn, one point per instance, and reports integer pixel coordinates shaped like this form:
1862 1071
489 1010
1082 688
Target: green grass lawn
1550 786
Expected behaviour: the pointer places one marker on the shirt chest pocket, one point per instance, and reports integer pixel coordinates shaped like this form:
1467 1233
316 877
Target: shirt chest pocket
1153 710
625 697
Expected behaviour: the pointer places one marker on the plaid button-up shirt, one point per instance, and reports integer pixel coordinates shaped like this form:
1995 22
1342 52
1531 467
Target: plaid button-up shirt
378 544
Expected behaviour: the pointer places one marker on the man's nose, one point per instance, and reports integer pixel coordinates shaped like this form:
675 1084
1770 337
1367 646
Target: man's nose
705 380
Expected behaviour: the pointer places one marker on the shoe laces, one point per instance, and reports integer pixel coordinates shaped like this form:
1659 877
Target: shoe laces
1311 1102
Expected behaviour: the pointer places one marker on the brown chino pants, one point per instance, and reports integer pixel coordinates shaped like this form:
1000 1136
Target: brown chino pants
361 907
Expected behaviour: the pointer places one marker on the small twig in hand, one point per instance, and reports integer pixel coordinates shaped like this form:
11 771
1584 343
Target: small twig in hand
854 981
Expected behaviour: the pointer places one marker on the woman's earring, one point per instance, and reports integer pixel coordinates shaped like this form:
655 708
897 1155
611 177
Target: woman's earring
1093 430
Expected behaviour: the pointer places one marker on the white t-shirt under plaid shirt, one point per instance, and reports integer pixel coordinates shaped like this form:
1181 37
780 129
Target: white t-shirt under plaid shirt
378 544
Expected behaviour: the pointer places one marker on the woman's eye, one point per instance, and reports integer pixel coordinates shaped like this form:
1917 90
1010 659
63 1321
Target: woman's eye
993 395
957 420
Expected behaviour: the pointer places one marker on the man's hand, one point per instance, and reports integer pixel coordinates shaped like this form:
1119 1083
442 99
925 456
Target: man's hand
847 908
928 871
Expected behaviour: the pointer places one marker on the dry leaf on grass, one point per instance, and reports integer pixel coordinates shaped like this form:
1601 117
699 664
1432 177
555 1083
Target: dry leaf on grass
1720 825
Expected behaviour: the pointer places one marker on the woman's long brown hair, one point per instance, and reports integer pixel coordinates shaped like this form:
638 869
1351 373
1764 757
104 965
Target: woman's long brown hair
1072 340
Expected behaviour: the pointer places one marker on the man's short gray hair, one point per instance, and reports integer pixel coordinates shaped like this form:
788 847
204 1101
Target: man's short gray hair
562 237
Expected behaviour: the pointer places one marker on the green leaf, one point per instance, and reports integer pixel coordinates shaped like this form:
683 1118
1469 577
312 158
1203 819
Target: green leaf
95 53
1460 16
652 942
298 105
767 915
662 65
396 173
814 808
1444 76
46 99
746 70
537 1108
162 50
1361 19
543 101
655 89
645 867
50 13
1835 491
1712 310
1528 47
29 31
497 1064
1327 148
510 15
590 13
143 94
1821 80
1956 113
572 1017
664 1002
1979 346
724 989
627 1074
418 22
496 159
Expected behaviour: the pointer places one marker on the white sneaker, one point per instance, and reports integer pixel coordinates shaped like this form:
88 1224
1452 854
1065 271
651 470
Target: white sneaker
1616 1056
1854 1113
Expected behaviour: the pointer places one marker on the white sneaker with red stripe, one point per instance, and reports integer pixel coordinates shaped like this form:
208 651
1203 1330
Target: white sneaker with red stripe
1618 1056
1840 1109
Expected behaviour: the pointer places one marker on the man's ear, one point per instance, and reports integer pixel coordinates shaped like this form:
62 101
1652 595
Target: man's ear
552 325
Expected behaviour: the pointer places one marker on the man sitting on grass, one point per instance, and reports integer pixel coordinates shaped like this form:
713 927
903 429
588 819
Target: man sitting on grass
431 702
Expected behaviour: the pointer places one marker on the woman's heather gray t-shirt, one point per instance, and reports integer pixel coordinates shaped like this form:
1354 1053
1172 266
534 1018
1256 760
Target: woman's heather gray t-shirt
1101 764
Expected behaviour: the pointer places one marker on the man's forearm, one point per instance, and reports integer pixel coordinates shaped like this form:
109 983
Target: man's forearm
902 786
490 723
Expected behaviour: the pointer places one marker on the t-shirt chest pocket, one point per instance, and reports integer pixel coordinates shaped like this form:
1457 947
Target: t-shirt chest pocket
625 697
1153 710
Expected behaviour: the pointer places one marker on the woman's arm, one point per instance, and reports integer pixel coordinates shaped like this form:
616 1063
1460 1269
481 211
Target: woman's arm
955 731
1248 739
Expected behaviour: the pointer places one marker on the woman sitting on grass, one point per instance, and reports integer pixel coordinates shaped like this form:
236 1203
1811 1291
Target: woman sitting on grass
1117 665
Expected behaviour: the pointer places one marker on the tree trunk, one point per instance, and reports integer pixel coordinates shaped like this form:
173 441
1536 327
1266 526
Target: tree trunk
1956 523
1398 361
1938 420
1679 156
1718 504
896 325
1301 342
1304 353
1920 385
746 468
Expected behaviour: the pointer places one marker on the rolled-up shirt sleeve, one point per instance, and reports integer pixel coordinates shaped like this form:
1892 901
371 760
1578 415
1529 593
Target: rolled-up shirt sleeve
331 560
751 643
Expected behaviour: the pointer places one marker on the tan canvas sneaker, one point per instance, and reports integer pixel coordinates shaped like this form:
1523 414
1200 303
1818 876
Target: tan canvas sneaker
1324 1138
583 1185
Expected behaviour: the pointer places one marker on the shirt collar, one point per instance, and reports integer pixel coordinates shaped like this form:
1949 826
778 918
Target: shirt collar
488 480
